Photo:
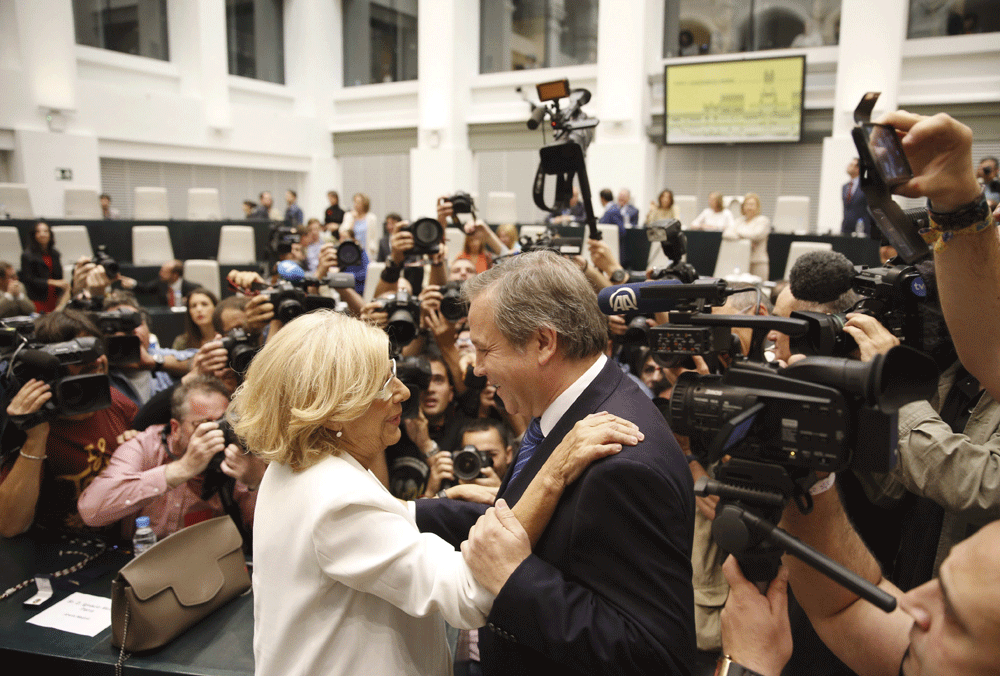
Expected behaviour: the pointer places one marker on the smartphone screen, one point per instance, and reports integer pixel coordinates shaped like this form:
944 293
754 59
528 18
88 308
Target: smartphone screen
886 154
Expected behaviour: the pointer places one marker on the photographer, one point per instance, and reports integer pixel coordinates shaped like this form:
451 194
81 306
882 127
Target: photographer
160 472
50 463
400 260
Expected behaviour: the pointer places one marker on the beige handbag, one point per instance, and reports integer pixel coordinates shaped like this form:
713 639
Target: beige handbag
176 583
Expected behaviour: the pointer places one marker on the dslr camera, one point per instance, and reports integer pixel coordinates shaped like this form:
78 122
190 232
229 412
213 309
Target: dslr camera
468 463
102 257
414 372
241 348
404 318
290 302
121 349
453 306
427 236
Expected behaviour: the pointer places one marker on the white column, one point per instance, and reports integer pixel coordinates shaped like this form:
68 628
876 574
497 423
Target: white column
48 47
871 45
621 155
199 49
449 55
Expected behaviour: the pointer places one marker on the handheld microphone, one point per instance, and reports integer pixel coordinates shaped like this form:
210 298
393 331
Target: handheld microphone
658 296
290 271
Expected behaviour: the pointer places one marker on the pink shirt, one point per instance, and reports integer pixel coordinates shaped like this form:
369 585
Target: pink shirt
134 483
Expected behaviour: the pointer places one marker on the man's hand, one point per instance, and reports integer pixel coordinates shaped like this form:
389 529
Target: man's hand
872 338
484 495
445 211
327 260
245 279
755 630
30 399
496 546
417 430
939 150
211 359
15 288
443 330
374 313
244 467
260 312
617 325
206 441
400 242
600 254
442 469
596 436
127 435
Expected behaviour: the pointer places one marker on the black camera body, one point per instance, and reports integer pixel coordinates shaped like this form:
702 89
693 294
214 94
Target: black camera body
453 306
280 239
15 330
414 372
103 258
468 463
404 318
427 236
290 301
121 320
348 254
551 241
241 348
462 203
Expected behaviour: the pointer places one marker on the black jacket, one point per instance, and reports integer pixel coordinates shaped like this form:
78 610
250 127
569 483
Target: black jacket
35 274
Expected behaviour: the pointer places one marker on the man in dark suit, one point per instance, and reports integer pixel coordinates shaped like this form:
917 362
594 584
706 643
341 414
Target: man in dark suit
169 287
855 203
607 588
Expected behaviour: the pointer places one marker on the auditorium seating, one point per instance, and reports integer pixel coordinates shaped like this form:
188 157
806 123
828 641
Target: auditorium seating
203 204
686 207
10 245
733 258
15 201
371 280
151 245
791 215
797 249
501 207
82 202
236 245
150 204
73 241
204 273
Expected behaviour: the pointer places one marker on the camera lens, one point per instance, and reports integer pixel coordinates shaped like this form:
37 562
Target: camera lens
427 232
467 463
348 254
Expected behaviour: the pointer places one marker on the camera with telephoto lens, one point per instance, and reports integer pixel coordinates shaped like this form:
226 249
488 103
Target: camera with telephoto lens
461 203
891 294
404 318
468 463
348 254
103 258
215 480
453 306
415 373
241 348
427 236
71 394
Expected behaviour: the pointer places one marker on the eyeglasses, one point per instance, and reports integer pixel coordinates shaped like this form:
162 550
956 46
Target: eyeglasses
385 392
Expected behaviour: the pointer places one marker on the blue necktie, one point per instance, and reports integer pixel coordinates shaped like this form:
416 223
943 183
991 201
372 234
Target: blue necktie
529 442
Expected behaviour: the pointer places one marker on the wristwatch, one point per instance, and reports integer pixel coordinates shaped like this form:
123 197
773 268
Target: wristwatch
158 360
729 668
619 276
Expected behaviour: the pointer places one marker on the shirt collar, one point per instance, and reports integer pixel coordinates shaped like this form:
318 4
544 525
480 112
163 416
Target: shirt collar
557 409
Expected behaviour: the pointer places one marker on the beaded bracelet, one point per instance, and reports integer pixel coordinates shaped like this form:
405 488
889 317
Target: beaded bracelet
944 227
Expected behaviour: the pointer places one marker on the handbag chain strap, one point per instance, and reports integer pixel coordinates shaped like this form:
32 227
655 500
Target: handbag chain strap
87 558
122 656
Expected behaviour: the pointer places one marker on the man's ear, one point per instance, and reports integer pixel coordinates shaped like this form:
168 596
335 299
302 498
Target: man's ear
175 426
548 344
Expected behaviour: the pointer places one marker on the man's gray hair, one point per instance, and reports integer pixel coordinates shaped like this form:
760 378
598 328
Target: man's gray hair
202 384
542 289
745 303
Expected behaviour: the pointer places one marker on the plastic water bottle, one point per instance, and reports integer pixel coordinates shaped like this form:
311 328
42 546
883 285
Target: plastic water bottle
859 228
144 537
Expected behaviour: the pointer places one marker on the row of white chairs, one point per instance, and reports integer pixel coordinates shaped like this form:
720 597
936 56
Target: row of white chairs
150 204
151 244
791 212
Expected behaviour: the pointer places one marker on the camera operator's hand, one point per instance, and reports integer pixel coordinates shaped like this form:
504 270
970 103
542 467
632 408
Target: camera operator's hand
442 469
617 325
30 399
211 359
327 260
430 298
81 268
484 495
374 313
496 546
206 441
245 279
706 504
596 436
127 435
756 633
872 338
489 479
97 281
260 312
242 466
443 330
400 242
600 254
939 150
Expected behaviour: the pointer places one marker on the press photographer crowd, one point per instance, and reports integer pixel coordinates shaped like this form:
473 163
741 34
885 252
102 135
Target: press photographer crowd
531 460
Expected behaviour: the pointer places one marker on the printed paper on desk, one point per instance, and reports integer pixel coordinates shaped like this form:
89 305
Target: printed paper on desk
78 613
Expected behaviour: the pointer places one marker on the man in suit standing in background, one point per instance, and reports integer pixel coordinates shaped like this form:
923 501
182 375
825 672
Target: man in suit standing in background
855 204
169 287
607 587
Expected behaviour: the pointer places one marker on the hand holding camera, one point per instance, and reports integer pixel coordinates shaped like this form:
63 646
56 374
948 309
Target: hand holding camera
206 441
29 400
401 242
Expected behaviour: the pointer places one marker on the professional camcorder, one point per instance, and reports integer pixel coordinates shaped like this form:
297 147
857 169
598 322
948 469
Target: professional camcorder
280 238
551 240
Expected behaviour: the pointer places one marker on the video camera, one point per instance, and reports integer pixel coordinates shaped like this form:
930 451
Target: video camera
779 427
564 157
892 295
16 330
280 238
551 240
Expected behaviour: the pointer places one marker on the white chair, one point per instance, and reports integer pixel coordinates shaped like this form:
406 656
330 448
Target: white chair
10 245
455 243
686 207
82 202
237 245
15 200
733 258
371 280
73 241
151 245
501 207
791 215
150 204
609 235
204 273
797 249
203 204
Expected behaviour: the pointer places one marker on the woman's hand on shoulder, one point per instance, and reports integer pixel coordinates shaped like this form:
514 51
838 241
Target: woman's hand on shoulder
596 436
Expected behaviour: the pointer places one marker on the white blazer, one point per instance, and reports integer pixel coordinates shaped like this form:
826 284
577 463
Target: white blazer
344 583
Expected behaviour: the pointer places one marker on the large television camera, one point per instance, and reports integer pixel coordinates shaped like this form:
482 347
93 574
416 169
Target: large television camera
564 157
777 427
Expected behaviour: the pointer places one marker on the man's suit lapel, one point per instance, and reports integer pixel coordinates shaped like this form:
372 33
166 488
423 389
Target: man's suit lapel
588 402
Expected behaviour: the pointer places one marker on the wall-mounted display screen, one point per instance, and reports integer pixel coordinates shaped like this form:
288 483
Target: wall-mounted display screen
745 101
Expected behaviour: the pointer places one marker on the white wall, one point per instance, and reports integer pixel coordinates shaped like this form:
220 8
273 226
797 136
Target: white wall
189 111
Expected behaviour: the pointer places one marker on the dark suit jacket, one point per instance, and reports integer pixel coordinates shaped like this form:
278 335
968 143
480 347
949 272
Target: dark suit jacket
608 586
855 208
35 274
158 288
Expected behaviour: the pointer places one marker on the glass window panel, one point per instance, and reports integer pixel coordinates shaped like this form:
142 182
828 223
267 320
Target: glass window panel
724 26
933 18
255 35
130 26
521 34
380 41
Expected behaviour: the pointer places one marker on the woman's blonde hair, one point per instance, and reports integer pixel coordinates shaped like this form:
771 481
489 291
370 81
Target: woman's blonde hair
750 195
320 368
